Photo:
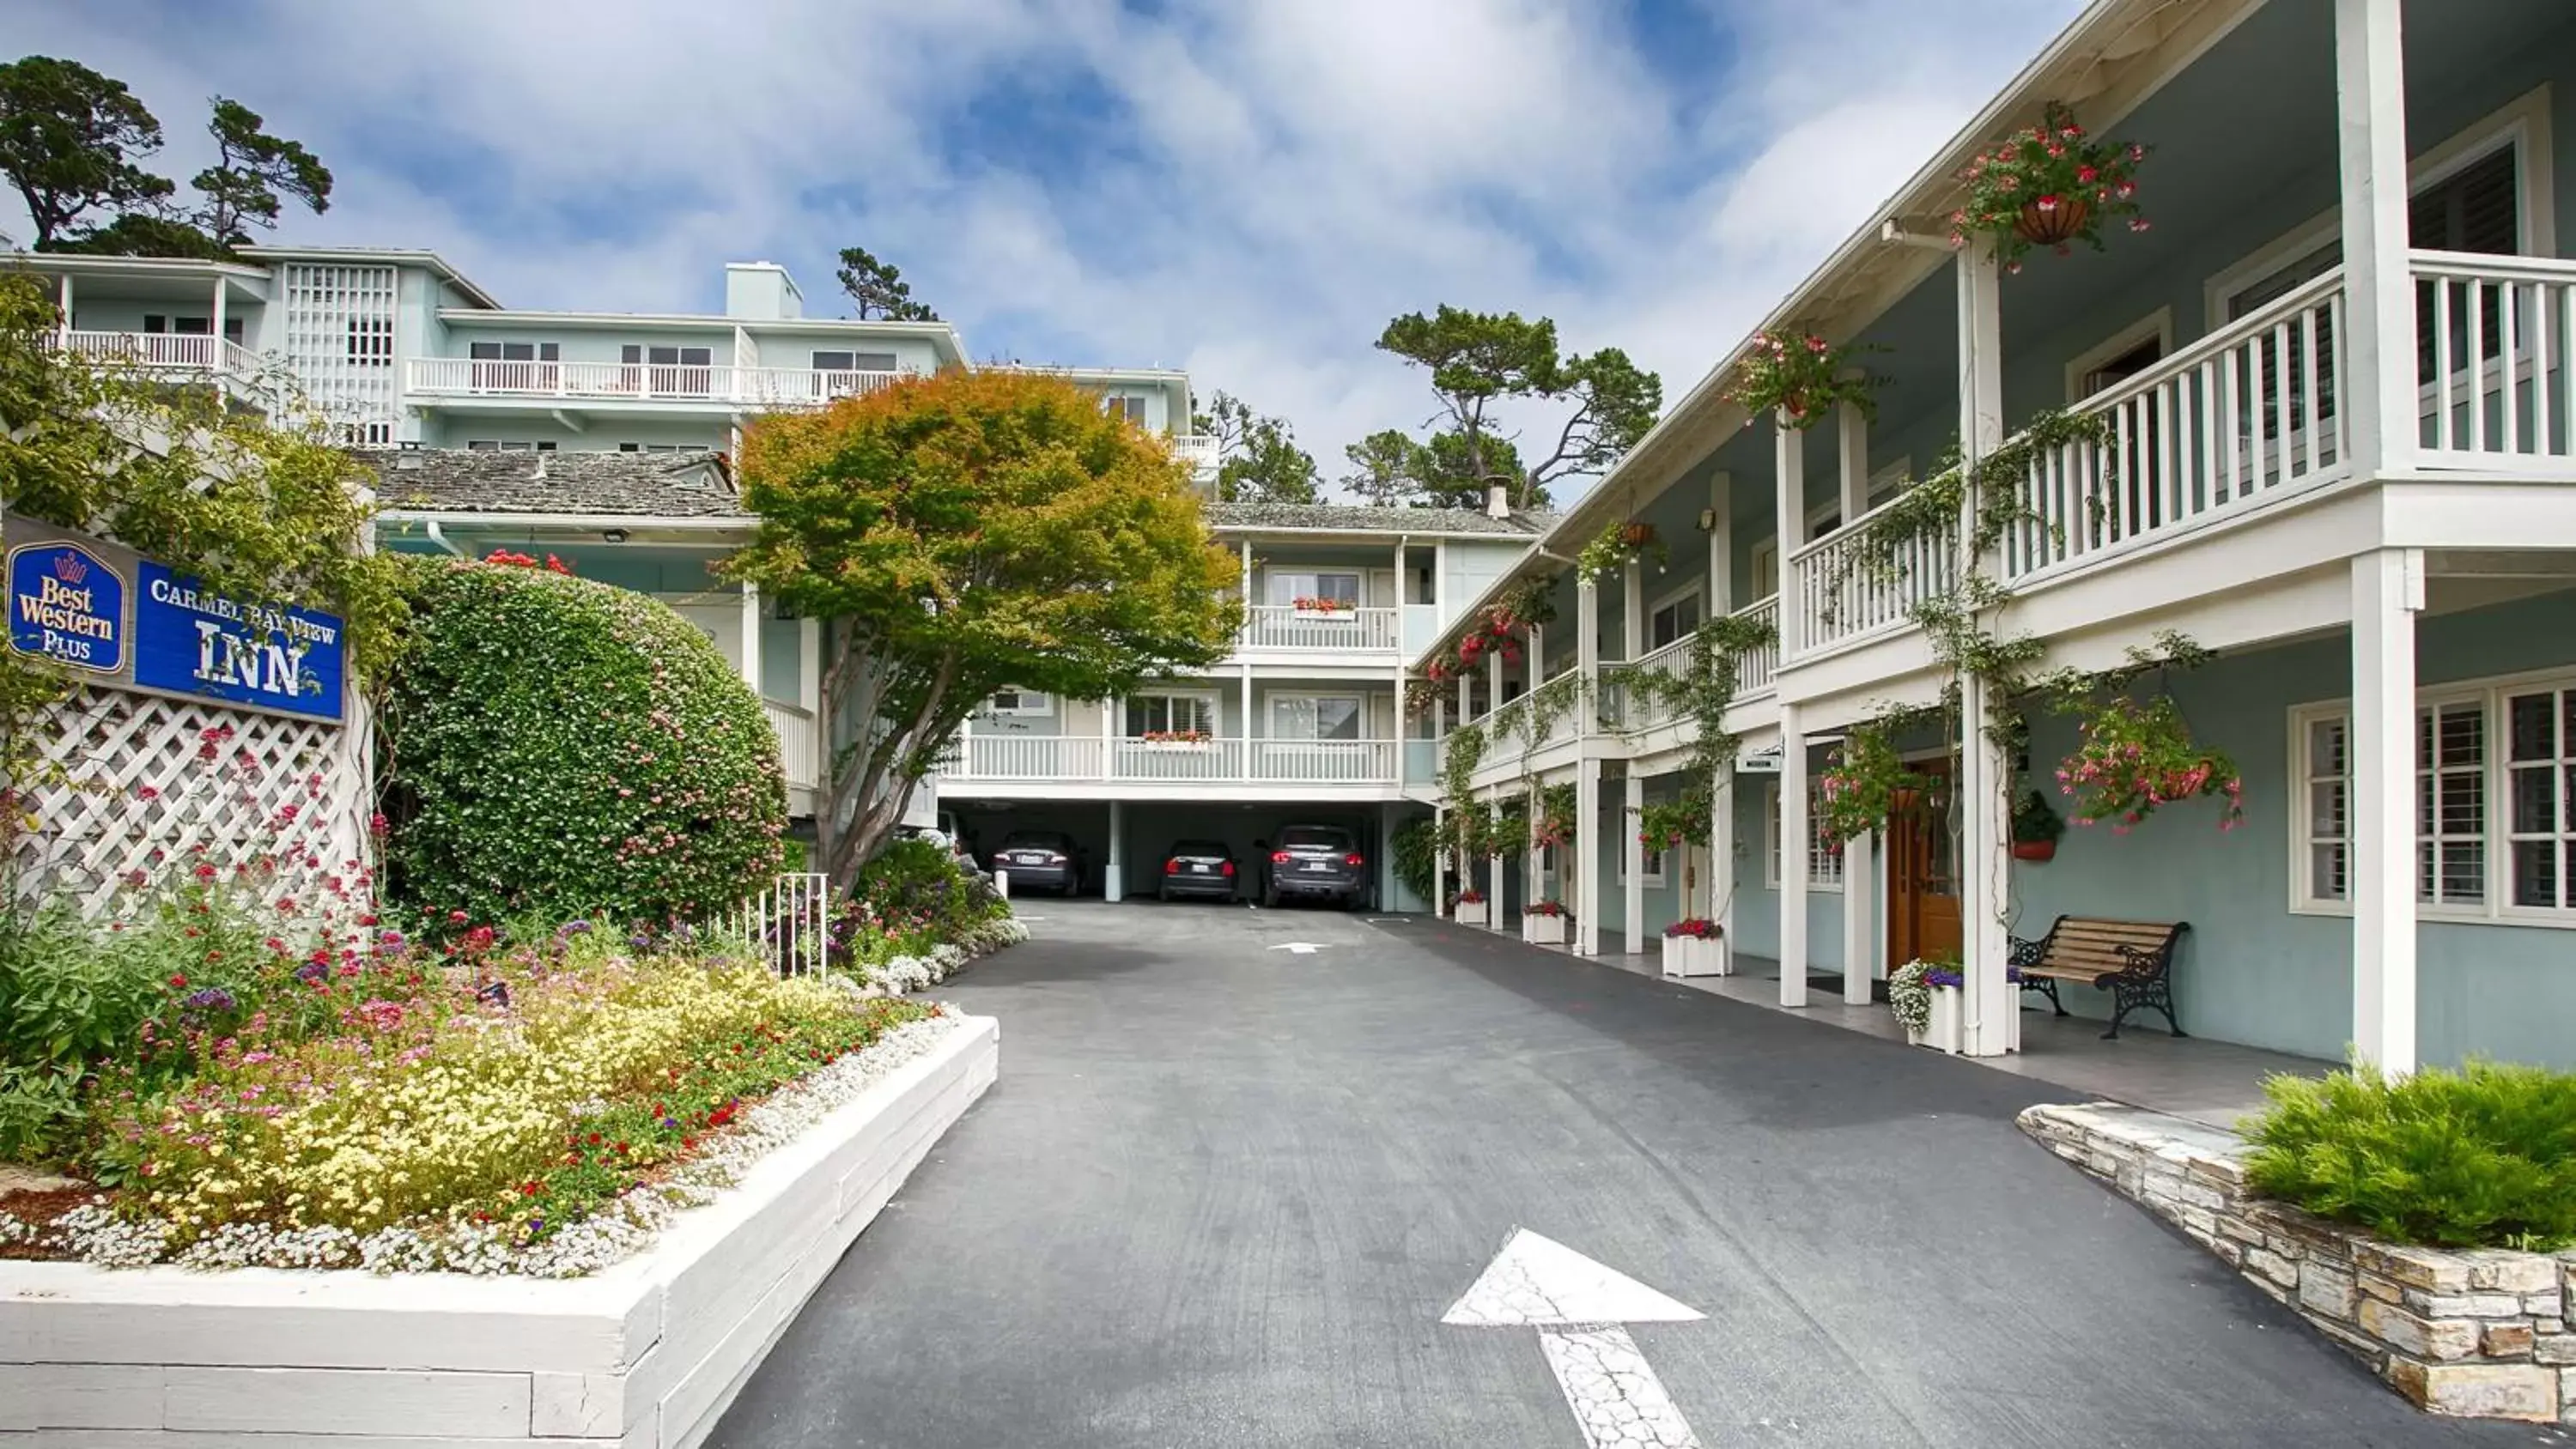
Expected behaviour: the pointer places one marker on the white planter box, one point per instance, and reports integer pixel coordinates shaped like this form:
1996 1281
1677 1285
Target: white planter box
1469 913
646 1353
1179 746
1543 930
1342 616
1697 956
1946 1032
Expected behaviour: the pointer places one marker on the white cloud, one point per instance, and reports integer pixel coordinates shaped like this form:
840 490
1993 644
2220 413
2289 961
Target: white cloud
1246 190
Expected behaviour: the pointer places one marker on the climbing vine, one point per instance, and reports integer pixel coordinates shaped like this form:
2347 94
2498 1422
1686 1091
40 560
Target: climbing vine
1701 691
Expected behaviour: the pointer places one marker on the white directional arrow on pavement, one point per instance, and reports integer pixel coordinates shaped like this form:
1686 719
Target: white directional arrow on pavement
1577 1306
1301 948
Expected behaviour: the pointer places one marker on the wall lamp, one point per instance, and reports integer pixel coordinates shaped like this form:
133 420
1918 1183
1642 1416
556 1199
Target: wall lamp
612 535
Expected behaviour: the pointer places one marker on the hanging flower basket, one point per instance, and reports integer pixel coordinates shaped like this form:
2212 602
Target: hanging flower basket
2134 759
1800 377
1636 535
2051 185
2034 851
2052 221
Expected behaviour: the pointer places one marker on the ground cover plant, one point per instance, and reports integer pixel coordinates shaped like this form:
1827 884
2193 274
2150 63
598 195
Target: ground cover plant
2482 1157
915 914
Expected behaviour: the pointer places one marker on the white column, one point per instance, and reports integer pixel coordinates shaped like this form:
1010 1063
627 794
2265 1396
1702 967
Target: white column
1985 775
1789 502
1859 946
215 322
1246 727
1721 543
809 666
751 638
1721 857
1439 859
1793 860
1112 729
2387 591
65 326
1533 856
2379 294
1587 651
1493 682
1632 904
1494 892
1113 885
1853 456
1587 850
1632 611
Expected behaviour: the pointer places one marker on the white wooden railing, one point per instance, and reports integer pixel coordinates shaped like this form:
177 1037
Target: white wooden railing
1848 587
1027 757
1194 449
1071 759
1755 667
1636 709
746 386
2233 421
789 924
1344 762
799 747
2492 361
804 387
170 350
1274 626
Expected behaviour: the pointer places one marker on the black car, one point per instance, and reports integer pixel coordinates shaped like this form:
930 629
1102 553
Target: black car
1199 869
1042 860
1317 862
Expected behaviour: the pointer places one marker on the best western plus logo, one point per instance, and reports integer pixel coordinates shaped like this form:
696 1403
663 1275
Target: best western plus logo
66 604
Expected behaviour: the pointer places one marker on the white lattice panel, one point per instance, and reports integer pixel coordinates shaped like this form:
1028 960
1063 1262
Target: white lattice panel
340 344
145 780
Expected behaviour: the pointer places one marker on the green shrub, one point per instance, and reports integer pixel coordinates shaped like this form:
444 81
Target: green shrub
2481 1158
912 896
560 748
1417 855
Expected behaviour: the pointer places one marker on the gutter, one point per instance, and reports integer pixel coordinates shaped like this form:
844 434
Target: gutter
441 539
581 522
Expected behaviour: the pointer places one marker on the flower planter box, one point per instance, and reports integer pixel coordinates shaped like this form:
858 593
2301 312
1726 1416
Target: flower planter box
1336 616
1468 913
1197 747
1947 1031
1543 930
648 1351
1697 956
2034 851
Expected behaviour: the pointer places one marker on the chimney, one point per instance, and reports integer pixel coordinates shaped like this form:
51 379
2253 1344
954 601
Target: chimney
1498 501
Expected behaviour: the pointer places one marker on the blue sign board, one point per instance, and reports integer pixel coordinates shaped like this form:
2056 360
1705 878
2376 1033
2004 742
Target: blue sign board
191 641
68 605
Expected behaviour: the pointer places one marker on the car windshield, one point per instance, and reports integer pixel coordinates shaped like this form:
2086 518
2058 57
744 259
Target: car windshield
1314 837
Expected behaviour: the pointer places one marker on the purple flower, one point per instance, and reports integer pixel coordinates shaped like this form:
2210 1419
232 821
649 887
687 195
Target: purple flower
312 971
1941 976
573 928
213 998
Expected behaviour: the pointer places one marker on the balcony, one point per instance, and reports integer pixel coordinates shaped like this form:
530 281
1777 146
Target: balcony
1082 759
636 382
170 357
1338 631
1633 710
800 748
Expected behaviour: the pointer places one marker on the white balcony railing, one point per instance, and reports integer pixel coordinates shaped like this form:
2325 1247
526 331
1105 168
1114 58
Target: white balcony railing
639 381
2230 423
1630 708
1074 759
1755 667
1849 585
1272 626
2492 359
799 746
1194 449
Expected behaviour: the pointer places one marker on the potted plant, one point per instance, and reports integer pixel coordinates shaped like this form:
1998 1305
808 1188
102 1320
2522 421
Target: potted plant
1696 947
1174 739
1469 908
2133 758
1927 1000
1800 377
1543 923
2035 828
2048 186
1636 534
1324 608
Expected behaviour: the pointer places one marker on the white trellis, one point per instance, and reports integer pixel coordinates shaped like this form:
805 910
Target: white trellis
790 924
140 784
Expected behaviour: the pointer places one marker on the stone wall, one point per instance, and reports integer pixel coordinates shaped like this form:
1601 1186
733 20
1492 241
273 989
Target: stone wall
2481 1334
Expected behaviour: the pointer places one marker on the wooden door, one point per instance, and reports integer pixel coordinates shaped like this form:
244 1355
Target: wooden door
1922 873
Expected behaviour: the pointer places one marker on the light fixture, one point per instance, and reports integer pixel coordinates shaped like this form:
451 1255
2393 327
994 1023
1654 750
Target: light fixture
612 535
1708 520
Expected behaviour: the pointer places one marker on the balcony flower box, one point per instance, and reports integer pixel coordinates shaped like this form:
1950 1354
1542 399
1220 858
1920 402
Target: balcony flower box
1332 610
1177 741
1470 909
1696 947
1543 924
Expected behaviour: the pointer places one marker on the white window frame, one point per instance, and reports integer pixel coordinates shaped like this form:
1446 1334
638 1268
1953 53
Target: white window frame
1690 590
1357 574
2522 123
1656 863
1024 702
1207 697
2156 326
1270 714
2563 785
2491 693
1824 864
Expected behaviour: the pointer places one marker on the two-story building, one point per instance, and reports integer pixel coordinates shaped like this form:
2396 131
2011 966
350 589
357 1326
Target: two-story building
2337 445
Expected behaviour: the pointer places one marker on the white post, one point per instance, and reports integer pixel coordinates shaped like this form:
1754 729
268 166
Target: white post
1587 653
1632 903
1859 947
1112 729
751 638
1721 543
1985 775
1632 612
1246 729
2379 344
65 325
215 326
1494 892
1721 857
1793 856
809 667
1533 855
1439 860
2387 592
1113 884
1853 456
1493 684
1587 845
1789 501
1537 655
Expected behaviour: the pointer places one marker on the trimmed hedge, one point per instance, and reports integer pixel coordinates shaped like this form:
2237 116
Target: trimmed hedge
558 748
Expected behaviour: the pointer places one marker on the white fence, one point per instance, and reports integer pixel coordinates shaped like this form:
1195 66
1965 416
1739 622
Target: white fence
1077 758
2492 361
724 383
1271 626
1849 587
790 924
800 751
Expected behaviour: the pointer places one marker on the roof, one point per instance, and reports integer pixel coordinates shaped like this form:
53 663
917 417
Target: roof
635 485
384 256
1367 518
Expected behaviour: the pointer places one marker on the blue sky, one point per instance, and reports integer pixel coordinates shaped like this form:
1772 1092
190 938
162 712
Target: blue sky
1246 188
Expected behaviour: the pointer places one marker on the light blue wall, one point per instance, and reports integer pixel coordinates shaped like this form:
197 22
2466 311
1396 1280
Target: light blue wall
790 347
1757 905
601 434
1473 565
589 344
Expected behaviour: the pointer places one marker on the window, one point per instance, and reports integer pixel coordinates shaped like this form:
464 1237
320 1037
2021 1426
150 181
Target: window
632 354
371 341
2540 734
854 362
486 445
1019 701
195 327
2528 874
1287 588
2121 356
1653 875
514 351
1824 859
1171 714
154 324
1128 405
1315 716
1672 619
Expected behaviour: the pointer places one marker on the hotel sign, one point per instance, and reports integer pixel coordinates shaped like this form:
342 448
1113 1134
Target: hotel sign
101 608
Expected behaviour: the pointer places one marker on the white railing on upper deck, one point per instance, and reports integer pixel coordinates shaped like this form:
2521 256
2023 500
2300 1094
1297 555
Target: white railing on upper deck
802 386
1273 626
1849 586
640 381
1026 757
1755 667
2493 337
2237 419
1195 449
1324 762
1212 760
799 746
1074 759
160 350
1634 706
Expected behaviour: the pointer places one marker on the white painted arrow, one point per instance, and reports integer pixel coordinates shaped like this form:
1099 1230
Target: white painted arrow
1577 1306
1301 948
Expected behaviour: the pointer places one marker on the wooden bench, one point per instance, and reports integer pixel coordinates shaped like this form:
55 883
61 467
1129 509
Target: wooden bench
2133 960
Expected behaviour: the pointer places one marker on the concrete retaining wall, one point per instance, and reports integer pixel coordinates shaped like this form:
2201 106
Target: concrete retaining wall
645 1355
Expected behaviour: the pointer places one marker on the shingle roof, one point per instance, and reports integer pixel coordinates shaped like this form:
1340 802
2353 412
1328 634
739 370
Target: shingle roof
640 485
1363 518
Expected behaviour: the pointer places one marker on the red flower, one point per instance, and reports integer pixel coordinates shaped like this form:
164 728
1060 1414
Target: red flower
179 983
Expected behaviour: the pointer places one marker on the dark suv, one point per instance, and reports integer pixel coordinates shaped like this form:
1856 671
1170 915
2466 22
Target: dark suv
1317 862
1041 860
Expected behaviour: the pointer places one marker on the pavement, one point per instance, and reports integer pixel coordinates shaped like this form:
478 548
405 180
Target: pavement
1225 1192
